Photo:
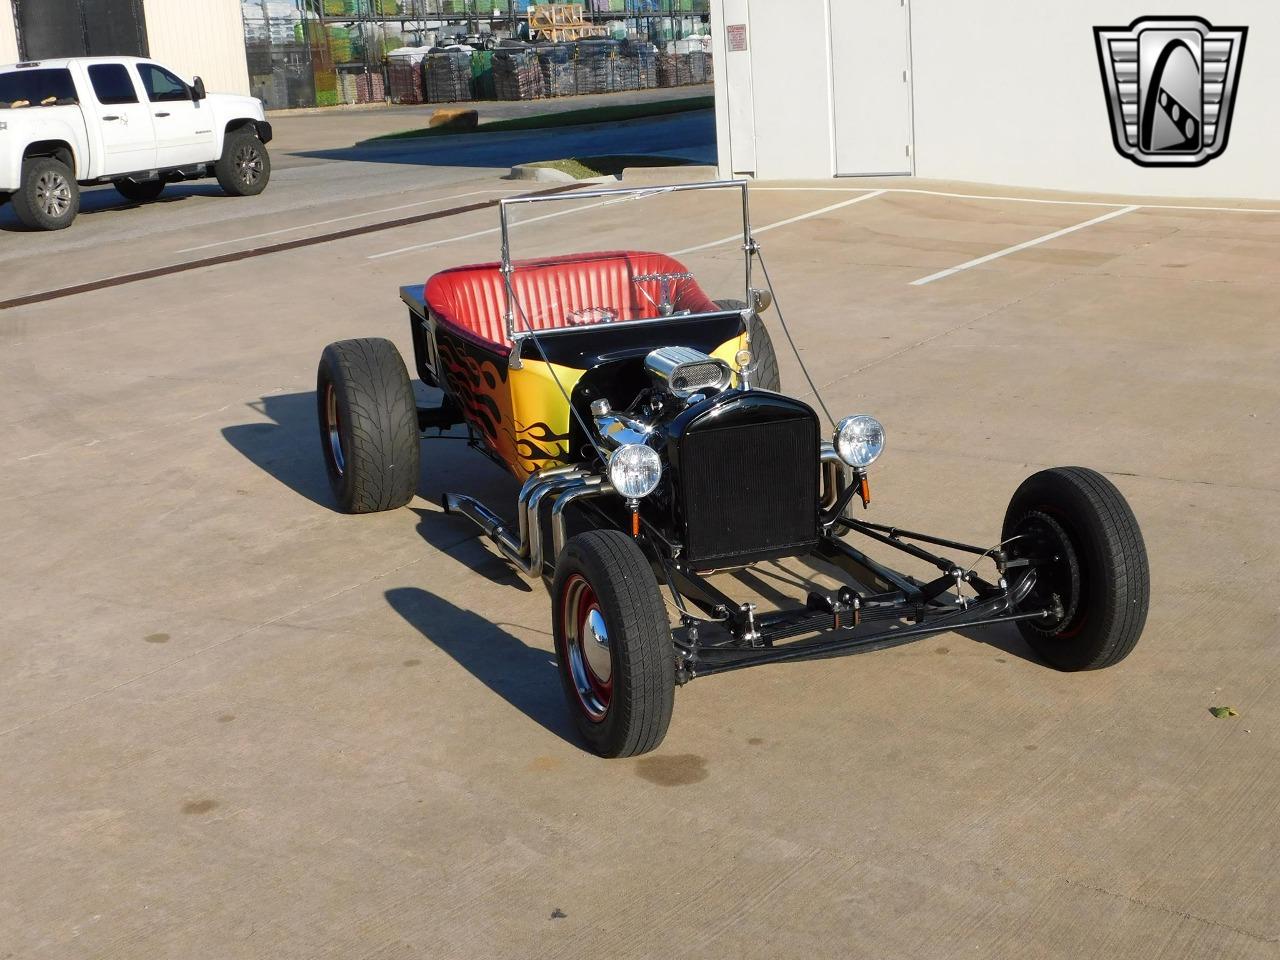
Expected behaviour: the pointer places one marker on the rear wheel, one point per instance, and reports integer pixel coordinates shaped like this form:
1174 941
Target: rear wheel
1090 564
764 360
139 191
49 197
368 425
613 644
244 168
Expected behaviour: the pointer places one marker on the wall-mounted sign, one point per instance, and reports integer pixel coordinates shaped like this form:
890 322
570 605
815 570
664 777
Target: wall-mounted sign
1170 85
736 35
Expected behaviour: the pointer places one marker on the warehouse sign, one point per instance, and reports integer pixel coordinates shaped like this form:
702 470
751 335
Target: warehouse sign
1170 84
736 35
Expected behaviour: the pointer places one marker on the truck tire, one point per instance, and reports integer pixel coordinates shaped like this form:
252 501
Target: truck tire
368 425
49 197
244 168
765 375
1090 558
613 644
139 191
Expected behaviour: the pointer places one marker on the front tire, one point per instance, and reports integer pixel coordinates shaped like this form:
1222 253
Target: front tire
139 191
49 197
244 169
613 644
1090 561
368 425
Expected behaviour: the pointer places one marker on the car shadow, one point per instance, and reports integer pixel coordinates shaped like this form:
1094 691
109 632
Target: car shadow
461 539
525 677
288 447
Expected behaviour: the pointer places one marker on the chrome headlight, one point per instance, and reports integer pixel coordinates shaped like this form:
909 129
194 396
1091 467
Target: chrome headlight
859 440
634 470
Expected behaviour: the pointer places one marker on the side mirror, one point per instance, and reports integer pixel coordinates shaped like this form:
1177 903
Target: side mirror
197 89
761 300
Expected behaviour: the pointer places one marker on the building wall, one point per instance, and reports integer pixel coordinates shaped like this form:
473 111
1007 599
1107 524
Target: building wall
1004 92
204 39
8 35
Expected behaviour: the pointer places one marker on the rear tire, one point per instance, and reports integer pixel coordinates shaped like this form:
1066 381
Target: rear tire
49 197
139 191
244 169
368 425
613 644
1099 573
765 374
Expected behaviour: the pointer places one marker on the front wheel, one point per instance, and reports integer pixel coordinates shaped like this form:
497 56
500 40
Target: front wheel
368 425
1090 563
244 168
613 644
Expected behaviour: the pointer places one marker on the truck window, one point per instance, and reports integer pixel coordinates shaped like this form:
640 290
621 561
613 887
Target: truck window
37 87
161 85
111 83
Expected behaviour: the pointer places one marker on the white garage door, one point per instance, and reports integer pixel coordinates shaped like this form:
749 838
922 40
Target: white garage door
871 86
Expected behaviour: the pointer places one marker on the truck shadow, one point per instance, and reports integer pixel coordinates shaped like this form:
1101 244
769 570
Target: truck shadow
524 676
97 200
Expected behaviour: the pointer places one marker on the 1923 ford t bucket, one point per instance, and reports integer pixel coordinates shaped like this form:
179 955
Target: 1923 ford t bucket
619 391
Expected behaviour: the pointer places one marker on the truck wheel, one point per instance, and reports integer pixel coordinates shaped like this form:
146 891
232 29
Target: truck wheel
613 644
1090 559
245 166
139 191
766 375
368 425
49 197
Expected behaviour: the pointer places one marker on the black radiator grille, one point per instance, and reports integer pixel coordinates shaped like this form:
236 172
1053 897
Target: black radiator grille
749 490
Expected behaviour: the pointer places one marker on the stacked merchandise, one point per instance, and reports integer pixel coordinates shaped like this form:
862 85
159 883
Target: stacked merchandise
370 87
596 66
346 87
699 66
556 61
640 60
448 76
516 74
404 75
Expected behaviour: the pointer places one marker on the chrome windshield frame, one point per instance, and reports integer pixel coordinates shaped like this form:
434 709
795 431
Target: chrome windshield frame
618 195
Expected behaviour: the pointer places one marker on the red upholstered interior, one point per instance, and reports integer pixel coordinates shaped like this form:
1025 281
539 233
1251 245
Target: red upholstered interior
546 291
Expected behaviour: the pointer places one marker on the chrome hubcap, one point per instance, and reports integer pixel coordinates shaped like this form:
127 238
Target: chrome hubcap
587 648
53 194
249 164
333 429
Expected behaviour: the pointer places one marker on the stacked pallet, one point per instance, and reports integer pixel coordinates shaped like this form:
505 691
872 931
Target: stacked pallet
556 61
404 78
516 74
447 76
594 66
641 65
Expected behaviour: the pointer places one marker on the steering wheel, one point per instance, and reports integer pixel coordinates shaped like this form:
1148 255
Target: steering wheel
664 306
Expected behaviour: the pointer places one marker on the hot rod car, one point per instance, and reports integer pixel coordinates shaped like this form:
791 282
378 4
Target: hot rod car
619 392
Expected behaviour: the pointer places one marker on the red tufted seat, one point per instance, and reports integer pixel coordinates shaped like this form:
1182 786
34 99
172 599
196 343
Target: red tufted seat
472 298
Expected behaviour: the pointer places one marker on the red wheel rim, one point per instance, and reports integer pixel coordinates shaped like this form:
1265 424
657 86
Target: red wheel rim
587 653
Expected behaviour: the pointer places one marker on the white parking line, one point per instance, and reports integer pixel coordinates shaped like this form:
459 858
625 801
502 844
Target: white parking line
1021 246
755 231
989 196
325 223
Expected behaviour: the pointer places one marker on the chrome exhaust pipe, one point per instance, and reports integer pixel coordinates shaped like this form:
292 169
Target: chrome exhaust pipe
524 547
595 487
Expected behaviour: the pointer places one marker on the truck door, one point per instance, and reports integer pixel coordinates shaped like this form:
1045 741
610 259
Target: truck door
184 125
122 116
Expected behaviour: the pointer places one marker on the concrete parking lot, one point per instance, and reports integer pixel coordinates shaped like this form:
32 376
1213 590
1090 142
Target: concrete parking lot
234 723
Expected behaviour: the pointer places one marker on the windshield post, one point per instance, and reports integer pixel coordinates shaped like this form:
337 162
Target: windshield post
748 244
508 312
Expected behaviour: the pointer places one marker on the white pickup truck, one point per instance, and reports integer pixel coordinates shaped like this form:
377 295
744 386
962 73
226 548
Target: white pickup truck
124 121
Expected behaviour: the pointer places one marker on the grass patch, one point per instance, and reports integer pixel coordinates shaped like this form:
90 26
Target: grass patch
580 168
569 118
